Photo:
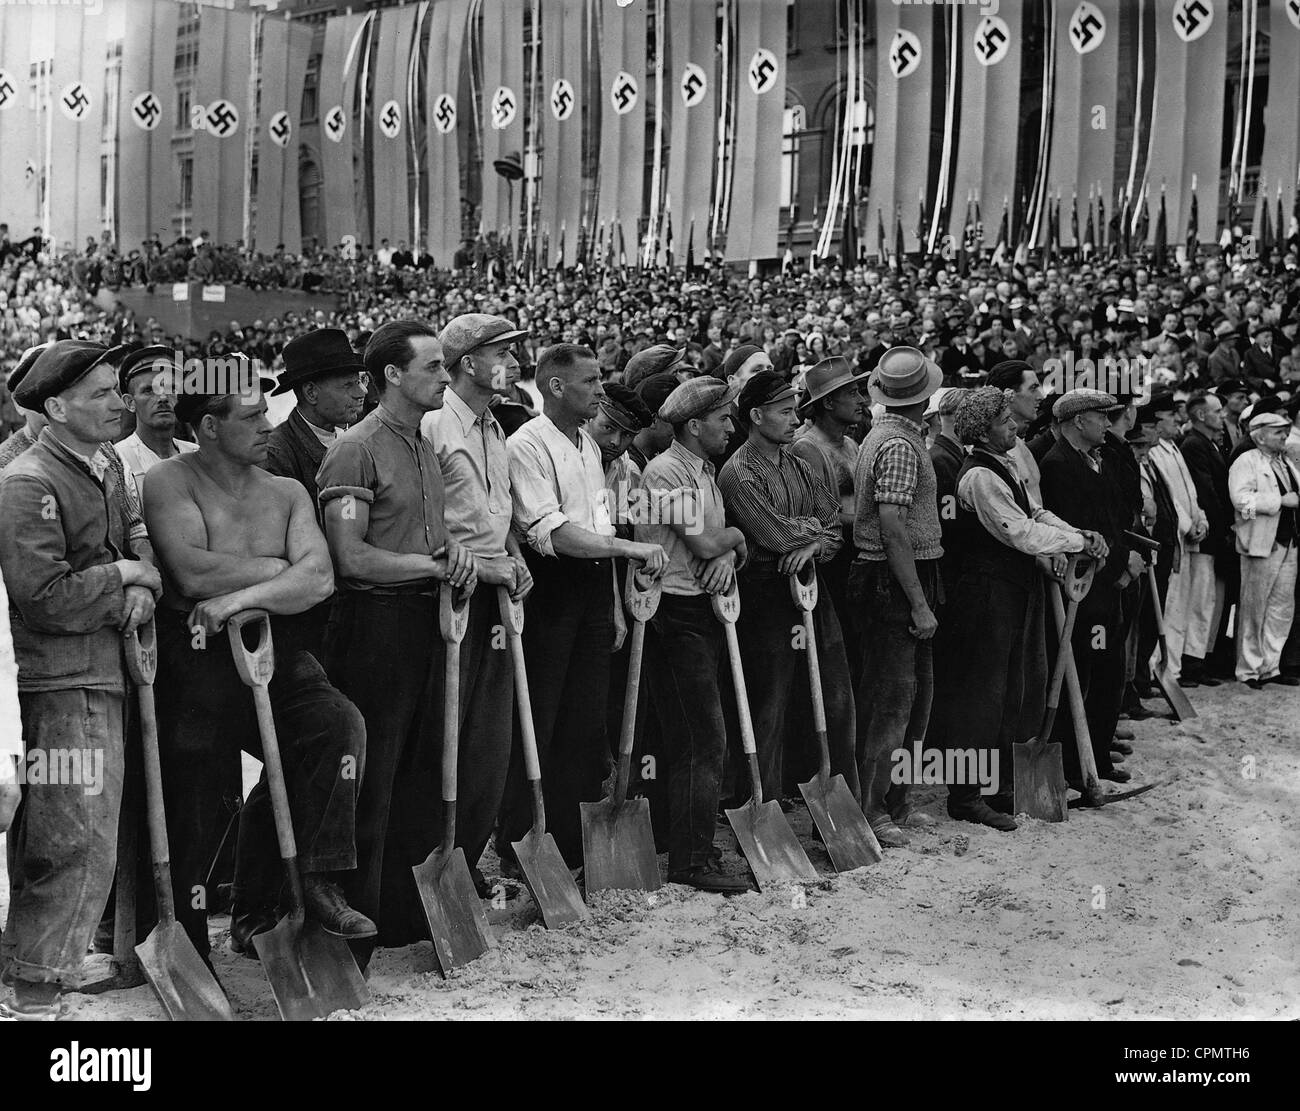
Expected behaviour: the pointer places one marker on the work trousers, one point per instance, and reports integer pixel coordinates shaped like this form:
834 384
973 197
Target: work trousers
62 847
1265 612
206 717
683 683
775 660
895 686
385 653
1193 606
990 674
1098 646
568 634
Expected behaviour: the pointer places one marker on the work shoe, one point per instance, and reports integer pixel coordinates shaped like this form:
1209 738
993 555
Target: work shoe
326 904
914 819
1284 681
1121 746
1188 681
32 1002
1256 684
709 877
889 835
1116 775
1002 803
1116 757
981 813
1122 735
246 925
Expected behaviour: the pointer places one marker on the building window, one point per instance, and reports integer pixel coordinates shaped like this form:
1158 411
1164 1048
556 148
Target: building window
311 90
791 27
796 122
187 182
183 94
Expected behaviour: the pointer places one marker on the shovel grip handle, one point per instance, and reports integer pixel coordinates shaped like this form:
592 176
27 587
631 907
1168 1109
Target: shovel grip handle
256 666
142 653
803 587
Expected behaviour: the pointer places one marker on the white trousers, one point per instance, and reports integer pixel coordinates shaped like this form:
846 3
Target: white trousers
1265 611
1200 607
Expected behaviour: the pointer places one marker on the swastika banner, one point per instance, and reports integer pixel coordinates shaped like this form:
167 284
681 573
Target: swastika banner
76 121
19 198
502 130
563 89
218 121
753 226
447 129
692 153
146 113
339 65
623 82
390 177
285 49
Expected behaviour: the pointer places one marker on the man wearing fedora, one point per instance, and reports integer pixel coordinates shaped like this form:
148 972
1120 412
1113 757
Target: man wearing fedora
789 518
325 375
894 584
1259 363
834 404
478 350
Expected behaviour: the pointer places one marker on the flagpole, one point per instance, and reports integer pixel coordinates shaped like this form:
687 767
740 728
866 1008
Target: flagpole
656 174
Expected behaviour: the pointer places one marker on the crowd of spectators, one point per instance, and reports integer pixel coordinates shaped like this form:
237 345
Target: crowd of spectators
1192 324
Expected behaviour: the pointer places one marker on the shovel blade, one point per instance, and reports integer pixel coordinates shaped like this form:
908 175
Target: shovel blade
185 988
769 844
549 881
618 846
453 910
312 973
1039 783
1175 696
840 821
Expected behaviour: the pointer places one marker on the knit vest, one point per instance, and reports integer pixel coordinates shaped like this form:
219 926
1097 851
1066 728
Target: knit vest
923 531
982 553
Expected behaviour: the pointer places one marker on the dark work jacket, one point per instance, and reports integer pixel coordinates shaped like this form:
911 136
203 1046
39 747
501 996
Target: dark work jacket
982 553
1087 500
1119 460
1165 529
947 456
293 451
1209 470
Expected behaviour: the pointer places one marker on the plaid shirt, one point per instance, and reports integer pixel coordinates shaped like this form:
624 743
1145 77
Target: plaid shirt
897 468
779 506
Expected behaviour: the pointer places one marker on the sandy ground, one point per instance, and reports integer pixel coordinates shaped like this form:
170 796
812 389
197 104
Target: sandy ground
1180 904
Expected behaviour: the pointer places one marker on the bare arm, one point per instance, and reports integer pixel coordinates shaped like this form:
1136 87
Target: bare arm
902 563
571 540
180 537
346 521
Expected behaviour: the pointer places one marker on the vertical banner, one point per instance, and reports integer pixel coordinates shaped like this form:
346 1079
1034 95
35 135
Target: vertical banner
624 85
563 113
217 118
21 159
989 101
339 64
285 48
446 40
1187 109
906 55
77 114
501 48
147 185
1084 120
390 203
1280 161
692 91
752 225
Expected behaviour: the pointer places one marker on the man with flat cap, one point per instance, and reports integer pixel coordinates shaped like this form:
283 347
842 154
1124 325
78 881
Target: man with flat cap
562 513
324 374
79 572
478 351
894 585
656 437
24 437
660 358
230 538
1077 488
686 646
383 499
789 518
1265 490
146 380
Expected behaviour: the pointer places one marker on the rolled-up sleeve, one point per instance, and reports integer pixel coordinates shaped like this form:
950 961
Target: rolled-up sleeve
897 473
348 470
984 492
49 595
537 511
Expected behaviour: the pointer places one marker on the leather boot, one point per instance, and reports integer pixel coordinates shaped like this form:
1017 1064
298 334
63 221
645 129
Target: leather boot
326 904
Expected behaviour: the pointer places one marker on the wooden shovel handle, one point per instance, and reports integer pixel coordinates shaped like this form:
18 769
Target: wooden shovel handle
256 666
142 663
142 654
803 587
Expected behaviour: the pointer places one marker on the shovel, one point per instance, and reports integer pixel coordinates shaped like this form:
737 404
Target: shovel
451 904
765 837
1039 777
183 984
1091 794
1174 694
844 828
549 881
618 845
312 973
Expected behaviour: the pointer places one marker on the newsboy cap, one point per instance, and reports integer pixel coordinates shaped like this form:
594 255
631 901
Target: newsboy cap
1074 402
62 364
472 330
697 397
653 360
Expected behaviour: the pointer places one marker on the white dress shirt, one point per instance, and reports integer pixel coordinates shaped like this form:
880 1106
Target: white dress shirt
554 481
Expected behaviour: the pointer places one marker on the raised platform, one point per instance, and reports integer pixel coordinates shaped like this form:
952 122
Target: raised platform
196 310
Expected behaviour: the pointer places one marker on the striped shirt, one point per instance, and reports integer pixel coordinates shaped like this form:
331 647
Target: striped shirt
779 505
